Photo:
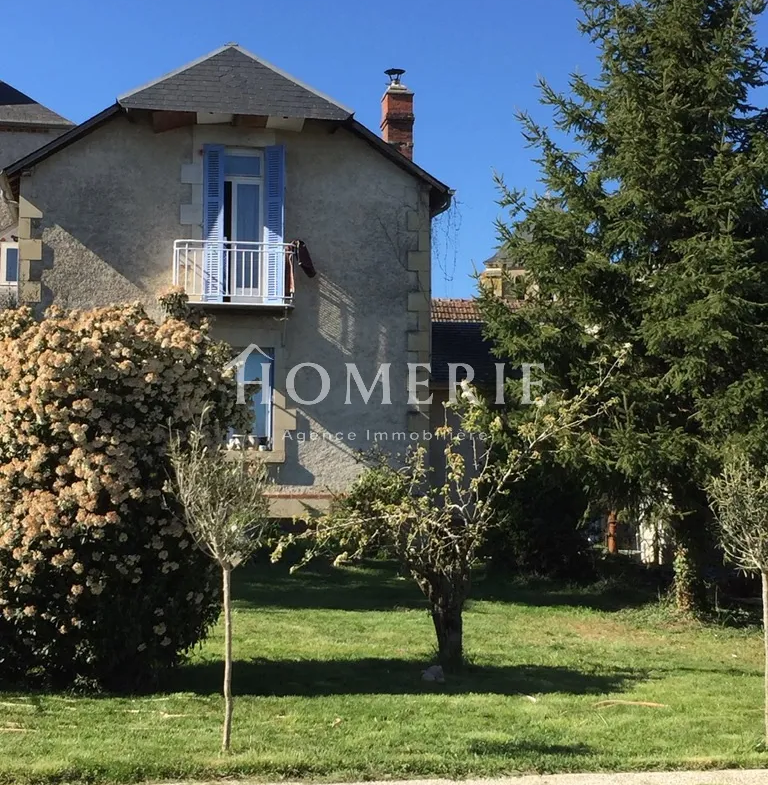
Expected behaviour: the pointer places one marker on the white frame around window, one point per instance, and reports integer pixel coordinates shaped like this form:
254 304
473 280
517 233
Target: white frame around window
256 388
9 290
235 180
4 248
240 180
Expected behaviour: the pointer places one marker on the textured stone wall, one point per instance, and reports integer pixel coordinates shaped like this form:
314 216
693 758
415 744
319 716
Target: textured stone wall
16 143
100 218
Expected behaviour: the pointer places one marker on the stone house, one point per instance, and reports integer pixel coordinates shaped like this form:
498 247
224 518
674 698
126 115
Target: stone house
204 179
25 125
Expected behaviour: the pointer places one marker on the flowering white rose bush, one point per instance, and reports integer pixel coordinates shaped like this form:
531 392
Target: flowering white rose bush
100 584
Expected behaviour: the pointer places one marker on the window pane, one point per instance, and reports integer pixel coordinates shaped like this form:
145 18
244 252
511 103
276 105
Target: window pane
242 165
261 400
12 265
247 229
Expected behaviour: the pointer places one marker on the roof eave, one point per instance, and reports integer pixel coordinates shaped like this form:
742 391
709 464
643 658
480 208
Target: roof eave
52 125
156 106
440 194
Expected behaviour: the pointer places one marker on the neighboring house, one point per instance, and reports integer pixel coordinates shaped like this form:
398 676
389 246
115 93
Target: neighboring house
25 125
457 339
203 178
499 273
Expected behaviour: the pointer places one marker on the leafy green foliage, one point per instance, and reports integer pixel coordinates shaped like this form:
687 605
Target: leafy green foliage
540 529
652 234
740 502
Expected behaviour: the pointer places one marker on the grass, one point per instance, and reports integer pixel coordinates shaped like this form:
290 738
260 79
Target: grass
328 679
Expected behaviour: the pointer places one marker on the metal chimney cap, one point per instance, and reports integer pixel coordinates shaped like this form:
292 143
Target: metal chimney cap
394 75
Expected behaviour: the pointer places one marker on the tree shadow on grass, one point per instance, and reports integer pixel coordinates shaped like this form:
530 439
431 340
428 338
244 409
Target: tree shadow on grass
624 584
515 749
391 677
375 585
547 594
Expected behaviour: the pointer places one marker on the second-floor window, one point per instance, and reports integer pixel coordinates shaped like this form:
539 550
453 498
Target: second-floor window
243 223
243 220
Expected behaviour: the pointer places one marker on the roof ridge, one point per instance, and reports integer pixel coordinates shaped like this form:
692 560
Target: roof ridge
242 51
175 72
293 79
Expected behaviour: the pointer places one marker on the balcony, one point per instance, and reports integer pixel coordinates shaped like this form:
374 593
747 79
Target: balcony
234 272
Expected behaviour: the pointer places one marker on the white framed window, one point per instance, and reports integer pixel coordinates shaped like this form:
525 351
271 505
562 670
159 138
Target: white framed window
9 271
243 217
259 378
243 224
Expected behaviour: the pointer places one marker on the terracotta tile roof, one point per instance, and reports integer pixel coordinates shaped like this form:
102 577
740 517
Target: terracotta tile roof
455 310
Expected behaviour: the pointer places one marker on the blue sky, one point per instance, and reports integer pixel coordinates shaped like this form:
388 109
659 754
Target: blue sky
472 63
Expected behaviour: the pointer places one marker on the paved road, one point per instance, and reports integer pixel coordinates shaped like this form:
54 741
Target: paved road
724 777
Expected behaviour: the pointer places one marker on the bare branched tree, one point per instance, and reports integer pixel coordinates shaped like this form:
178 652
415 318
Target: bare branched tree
223 494
435 531
740 503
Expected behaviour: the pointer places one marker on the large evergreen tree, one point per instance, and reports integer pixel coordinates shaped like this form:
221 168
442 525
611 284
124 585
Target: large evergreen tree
652 233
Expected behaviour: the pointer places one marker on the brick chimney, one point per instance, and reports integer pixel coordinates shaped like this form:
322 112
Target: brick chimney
397 114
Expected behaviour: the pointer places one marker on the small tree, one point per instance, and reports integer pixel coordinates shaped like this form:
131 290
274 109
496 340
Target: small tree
435 531
740 503
227 515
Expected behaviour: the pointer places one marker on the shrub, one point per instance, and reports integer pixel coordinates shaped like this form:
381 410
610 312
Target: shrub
541 533
100 586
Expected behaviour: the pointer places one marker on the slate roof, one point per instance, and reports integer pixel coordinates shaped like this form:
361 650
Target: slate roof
234 81
457 337
231 80
16 108
503 257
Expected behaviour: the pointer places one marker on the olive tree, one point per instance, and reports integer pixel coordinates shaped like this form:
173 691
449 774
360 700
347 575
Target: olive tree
226 508
740 503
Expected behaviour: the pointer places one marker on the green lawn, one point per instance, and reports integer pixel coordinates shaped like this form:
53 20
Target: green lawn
328 678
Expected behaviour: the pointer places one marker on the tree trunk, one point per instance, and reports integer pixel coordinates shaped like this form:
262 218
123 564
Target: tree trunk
764 576
690 596
450 635
227 579
693 550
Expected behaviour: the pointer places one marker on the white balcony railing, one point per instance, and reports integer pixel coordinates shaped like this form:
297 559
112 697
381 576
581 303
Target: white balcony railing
234 272
9 294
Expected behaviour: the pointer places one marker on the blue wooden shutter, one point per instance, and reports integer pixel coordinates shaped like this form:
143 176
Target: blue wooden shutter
274 231
213 223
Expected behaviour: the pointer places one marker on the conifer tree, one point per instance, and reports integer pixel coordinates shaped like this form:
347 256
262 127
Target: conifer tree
652 234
